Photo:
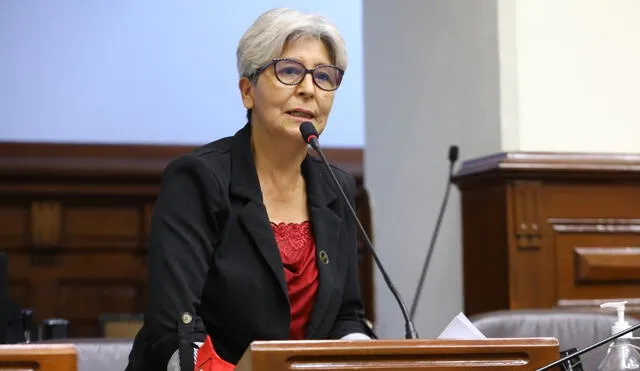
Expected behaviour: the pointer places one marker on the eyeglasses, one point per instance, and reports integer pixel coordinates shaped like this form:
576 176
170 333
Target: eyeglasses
291 72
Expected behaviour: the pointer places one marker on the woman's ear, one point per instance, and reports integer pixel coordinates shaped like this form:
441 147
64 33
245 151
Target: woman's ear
246 90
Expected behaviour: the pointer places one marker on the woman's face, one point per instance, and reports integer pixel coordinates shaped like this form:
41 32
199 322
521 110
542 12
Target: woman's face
279 109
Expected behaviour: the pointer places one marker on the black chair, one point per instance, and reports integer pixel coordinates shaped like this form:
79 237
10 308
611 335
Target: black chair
573 329
10 320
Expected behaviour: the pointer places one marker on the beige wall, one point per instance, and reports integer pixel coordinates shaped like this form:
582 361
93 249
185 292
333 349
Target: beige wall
577 72
489 75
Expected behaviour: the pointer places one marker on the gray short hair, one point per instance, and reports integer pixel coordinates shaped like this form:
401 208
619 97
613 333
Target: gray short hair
267 36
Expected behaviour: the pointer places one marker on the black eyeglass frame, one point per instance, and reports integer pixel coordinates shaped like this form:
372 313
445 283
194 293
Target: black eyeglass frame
273 63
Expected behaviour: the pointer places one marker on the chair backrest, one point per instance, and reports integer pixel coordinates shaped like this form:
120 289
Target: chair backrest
98 354
572 329
102 354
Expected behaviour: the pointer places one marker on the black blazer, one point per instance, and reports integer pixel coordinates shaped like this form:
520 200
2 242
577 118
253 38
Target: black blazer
213 256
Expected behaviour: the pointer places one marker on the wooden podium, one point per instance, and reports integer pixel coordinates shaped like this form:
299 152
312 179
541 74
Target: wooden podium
398 355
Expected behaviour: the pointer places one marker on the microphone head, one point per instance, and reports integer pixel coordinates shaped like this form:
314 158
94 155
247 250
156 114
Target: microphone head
453 153
308 131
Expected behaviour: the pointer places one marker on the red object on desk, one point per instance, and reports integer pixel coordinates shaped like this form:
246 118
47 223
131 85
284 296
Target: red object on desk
209 360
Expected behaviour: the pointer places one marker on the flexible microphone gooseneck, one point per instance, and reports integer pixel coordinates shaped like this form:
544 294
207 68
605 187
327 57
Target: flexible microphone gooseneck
590 347
453 157
310 136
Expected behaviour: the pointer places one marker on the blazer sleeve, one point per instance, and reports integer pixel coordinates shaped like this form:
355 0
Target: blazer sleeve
351 317
186 226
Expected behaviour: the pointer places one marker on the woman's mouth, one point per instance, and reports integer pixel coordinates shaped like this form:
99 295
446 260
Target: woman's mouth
301 115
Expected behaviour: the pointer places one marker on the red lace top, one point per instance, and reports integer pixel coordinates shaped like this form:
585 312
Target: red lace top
297 249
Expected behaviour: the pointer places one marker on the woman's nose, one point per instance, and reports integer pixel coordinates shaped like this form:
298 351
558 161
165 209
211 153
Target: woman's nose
306 85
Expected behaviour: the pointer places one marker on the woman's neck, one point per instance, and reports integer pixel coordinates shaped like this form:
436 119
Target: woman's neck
278 162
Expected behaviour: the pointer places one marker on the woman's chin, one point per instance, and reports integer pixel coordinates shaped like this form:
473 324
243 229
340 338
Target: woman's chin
293 132
295 122
289 130
292 127
298 121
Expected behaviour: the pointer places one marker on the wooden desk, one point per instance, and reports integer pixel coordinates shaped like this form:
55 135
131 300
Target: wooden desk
401 355
41 357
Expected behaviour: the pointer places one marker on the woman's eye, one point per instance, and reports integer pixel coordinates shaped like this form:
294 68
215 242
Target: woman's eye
290 71
323 76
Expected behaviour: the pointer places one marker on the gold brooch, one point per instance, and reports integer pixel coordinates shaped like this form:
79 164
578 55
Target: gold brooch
324 257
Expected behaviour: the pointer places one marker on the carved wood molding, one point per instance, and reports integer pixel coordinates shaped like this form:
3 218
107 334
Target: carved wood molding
602 167
595 225
121 162
527 212
607 264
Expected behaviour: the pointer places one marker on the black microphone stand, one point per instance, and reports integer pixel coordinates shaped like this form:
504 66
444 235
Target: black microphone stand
310 136
453 157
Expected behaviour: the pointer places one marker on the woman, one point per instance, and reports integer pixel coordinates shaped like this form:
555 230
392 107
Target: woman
250 239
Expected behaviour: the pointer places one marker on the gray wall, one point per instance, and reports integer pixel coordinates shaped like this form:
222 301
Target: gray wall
431 80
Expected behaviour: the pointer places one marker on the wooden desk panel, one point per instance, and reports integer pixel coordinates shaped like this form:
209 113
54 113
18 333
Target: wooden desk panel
50 357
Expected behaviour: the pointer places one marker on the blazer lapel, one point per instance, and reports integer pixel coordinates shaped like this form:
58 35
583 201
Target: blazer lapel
326 224
253 216
326 229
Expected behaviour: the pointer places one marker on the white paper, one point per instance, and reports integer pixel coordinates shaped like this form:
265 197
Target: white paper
462 329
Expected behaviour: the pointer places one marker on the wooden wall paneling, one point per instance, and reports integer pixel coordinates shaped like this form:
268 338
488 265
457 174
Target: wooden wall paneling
45 223
82 301
20 291
103 225
74 219
14 223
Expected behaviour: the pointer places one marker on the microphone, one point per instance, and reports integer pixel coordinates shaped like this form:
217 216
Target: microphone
310 136
561 361
453 157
